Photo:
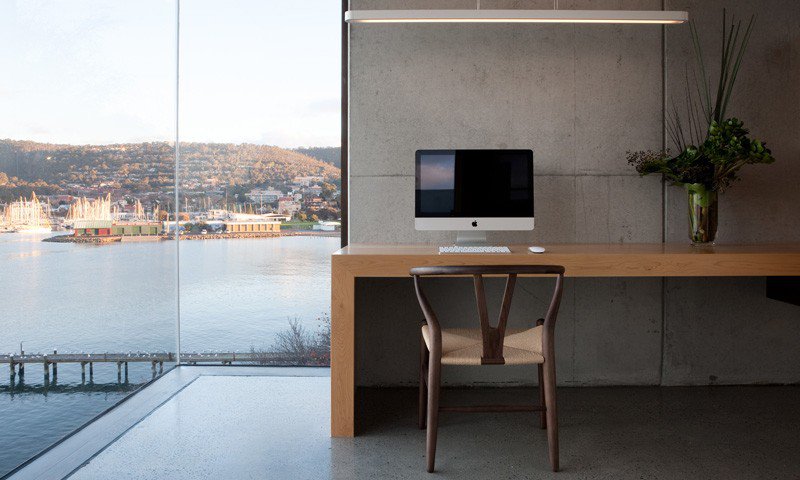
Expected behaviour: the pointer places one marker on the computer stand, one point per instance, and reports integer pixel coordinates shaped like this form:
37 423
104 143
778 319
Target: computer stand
471 238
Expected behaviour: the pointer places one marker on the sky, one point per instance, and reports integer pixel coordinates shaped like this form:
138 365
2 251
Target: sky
103 71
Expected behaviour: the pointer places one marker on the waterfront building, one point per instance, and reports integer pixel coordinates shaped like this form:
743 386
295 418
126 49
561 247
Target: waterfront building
137 228
252 226
252 217
100 228
327 226
106 228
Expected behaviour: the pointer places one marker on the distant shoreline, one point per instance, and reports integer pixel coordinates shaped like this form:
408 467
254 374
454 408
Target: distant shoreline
101 240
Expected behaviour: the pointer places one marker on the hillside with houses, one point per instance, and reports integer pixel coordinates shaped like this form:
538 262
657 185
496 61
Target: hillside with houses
245 178
148 168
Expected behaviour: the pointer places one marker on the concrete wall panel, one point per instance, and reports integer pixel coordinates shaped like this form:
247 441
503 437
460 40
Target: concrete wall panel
580 96
617 209
618 332
725 331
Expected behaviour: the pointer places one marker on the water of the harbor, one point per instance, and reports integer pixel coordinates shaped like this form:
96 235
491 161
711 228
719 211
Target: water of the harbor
235 294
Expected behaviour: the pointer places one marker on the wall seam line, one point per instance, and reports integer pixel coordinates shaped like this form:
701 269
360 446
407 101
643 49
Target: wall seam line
662 359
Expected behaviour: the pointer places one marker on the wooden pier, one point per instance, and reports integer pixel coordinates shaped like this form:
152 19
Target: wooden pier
50 362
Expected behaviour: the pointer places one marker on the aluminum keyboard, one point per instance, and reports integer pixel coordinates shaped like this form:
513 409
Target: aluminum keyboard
460 249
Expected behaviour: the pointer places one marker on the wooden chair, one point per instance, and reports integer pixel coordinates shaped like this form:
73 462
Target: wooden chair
488 345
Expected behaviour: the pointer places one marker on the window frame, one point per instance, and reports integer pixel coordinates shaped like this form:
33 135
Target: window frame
343 160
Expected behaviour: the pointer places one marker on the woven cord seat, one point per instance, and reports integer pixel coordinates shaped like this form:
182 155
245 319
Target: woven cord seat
464 346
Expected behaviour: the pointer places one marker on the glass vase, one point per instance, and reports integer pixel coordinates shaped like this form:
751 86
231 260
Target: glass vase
703 206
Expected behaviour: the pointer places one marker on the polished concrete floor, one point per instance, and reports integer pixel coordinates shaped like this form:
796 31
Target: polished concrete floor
242 427
606 433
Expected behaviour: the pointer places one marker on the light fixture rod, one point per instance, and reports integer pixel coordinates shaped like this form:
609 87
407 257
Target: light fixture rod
517 16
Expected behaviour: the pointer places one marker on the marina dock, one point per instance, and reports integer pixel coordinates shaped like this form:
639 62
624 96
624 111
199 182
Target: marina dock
50 362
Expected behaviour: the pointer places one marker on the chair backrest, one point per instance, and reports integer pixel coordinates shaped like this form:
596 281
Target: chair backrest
493 336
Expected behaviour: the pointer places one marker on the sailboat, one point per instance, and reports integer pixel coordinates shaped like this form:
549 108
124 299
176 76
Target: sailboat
27 216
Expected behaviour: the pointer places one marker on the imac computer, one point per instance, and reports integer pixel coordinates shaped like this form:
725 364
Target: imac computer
474 191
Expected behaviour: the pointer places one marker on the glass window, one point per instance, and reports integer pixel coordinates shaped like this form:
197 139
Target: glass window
260 132
87 112
89 215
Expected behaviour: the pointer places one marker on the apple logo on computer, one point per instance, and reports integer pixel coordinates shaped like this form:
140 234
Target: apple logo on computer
474 223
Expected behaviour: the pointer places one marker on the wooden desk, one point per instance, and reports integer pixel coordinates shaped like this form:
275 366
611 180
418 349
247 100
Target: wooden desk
632 260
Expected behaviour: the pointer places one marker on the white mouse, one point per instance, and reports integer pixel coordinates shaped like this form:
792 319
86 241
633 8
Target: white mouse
536 249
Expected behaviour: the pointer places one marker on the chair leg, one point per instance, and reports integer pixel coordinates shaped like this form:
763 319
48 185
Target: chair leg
543 413
434 375
423 391
550 405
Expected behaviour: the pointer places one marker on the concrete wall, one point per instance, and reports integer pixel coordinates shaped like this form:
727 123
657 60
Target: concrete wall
580 96
726 330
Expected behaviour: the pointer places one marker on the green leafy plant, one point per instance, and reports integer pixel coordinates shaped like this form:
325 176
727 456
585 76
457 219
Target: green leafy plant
712 146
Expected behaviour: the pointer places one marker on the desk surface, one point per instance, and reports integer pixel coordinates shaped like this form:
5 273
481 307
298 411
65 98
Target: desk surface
588 260
629 260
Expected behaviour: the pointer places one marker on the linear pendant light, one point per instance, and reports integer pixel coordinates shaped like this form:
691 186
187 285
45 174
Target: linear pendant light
517 16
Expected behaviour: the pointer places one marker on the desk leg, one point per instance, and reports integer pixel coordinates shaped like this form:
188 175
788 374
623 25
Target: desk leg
342 352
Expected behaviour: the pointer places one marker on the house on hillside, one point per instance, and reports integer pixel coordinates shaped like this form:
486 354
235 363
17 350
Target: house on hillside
288 206
307 180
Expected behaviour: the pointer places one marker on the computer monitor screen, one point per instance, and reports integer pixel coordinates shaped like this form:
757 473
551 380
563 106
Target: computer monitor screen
474 189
